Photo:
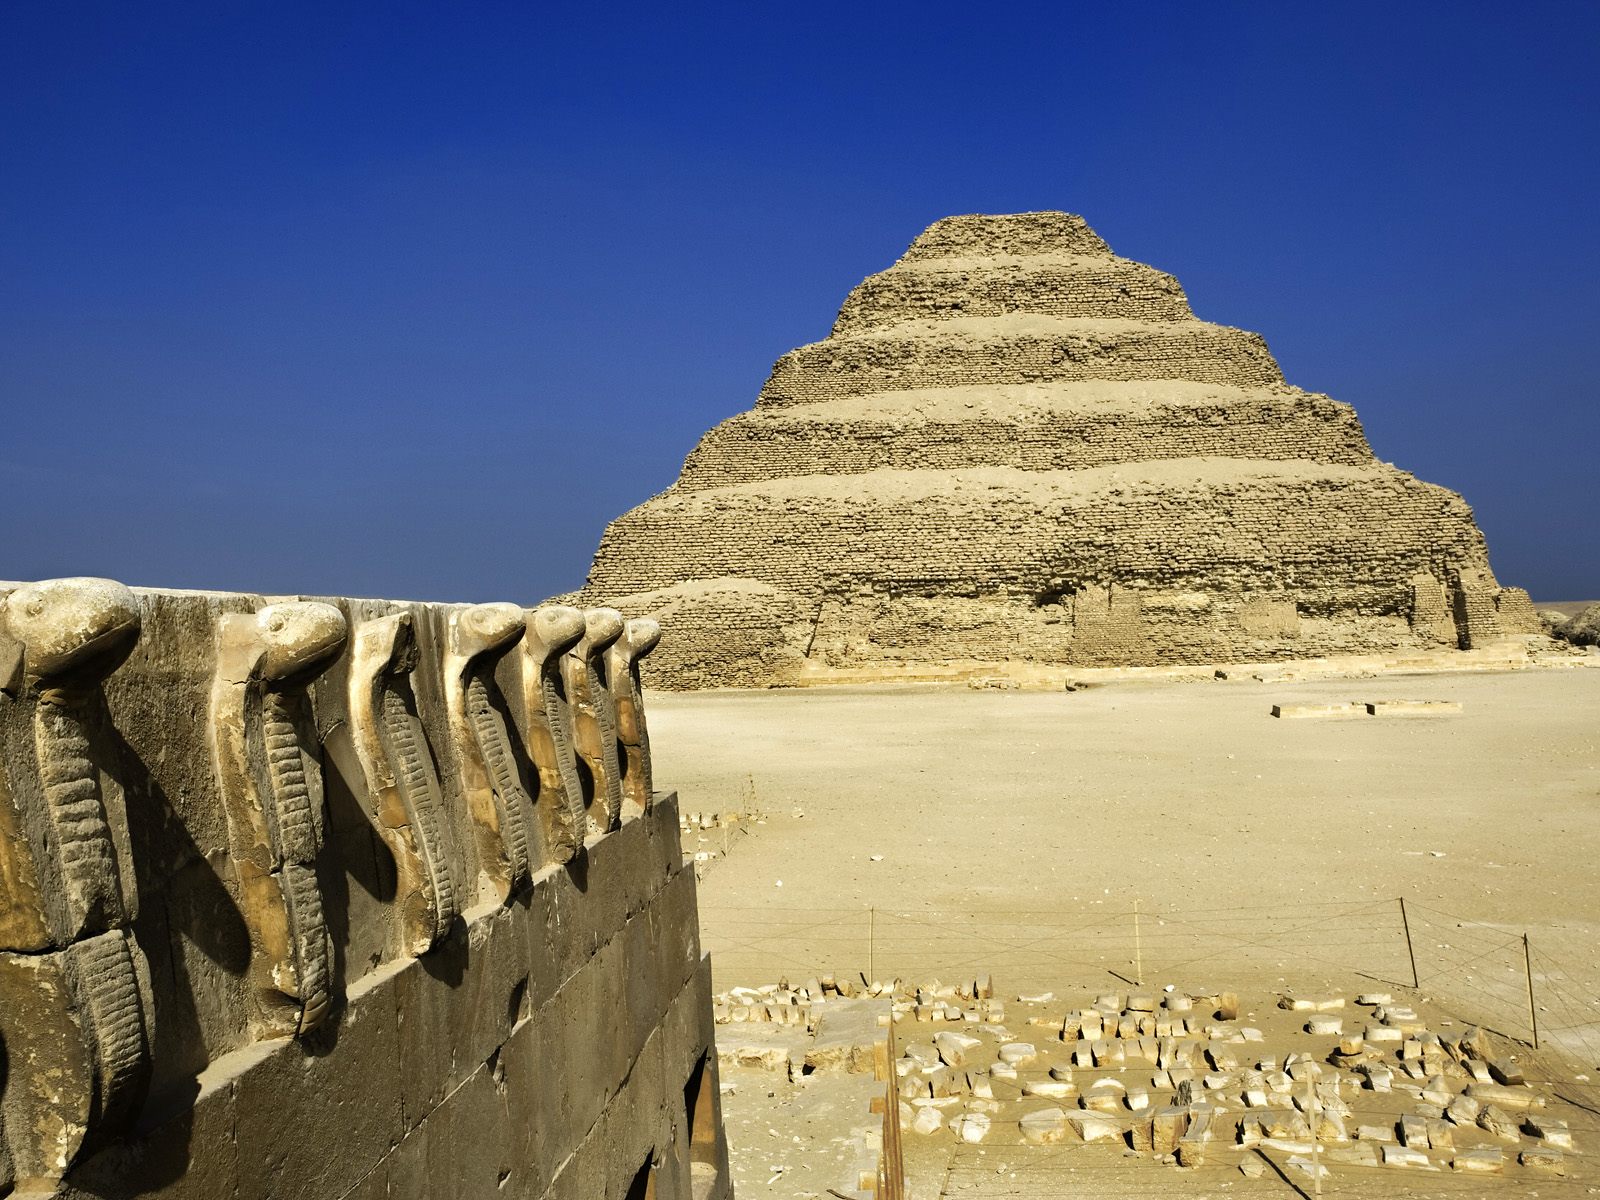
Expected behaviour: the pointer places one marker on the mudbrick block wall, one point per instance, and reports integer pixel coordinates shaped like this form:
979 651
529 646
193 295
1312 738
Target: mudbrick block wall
315 898
1016 445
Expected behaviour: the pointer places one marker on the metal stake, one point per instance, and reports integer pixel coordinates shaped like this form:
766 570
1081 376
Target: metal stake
1410 951
1533 1010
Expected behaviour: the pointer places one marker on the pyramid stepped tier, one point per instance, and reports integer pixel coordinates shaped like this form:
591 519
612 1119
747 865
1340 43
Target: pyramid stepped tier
1018 348
1056 286
1007 235
1039 427
1017 446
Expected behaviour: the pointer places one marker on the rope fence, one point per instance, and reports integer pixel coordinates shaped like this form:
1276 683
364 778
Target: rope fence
1489 973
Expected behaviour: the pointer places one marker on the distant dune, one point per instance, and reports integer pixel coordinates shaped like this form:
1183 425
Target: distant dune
1571 607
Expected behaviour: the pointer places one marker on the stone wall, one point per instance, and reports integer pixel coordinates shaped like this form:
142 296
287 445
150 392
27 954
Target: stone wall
341 898
1015 445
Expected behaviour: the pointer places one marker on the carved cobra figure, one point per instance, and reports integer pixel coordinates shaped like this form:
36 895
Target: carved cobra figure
400 775
271 786
551 632
491 777
75 1007
595 718
639 637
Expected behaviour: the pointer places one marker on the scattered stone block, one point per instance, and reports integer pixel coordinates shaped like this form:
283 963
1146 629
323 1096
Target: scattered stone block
1192 1145
955 1047
1110 1053
1331 1128
1286 1125
1050 1089
1486 1160
1018 1054
1167 1125
1506 1072
1544 1158
1140 1136
1357 1154
1551 1132
1308 1167
1401 1156
1333 712
1044 1127
1414 1132
1412 708
1094 1126
1493 1121
1325 1026
927 1121
1437 1091
1254 1089
1441 1135
971 1128
1521 1096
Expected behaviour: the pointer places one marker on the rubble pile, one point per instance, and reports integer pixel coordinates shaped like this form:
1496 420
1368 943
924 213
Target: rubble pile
1315 1083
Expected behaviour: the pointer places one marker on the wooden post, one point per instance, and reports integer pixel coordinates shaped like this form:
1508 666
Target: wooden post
1138 947
1411 953
1533 1009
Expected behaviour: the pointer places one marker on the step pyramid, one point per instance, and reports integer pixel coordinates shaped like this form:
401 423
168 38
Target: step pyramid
1016 445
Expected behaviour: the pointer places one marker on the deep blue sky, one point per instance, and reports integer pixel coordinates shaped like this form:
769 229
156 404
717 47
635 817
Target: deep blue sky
410 299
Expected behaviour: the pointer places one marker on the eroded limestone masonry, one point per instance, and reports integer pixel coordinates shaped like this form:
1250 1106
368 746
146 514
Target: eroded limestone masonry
306 898
1016 445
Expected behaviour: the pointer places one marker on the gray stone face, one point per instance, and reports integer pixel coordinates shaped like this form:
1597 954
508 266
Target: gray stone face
306 898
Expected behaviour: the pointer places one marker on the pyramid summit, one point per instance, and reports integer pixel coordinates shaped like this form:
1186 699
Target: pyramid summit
1015 445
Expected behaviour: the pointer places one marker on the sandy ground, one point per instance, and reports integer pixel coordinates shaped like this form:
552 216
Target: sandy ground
1188 795
939 832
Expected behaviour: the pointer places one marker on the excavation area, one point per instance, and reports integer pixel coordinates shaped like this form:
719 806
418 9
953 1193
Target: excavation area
1089 924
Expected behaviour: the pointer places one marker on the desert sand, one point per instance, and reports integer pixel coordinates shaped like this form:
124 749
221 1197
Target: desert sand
1013 831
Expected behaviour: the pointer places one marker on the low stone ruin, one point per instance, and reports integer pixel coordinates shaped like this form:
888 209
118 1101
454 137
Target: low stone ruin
308 898
1015 445
1304 1084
